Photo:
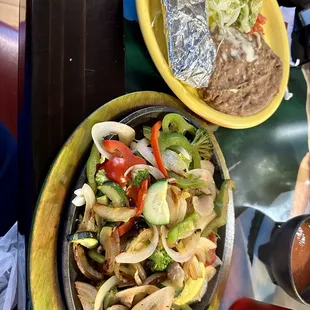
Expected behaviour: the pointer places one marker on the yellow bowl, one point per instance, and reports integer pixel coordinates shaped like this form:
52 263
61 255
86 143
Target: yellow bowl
151 24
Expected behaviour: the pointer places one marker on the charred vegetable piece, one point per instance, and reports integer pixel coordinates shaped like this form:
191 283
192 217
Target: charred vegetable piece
115 193
203 144
174 122
87 239
167 140
221 204
159 260
156 209
87 270
181 229
97 257
91 167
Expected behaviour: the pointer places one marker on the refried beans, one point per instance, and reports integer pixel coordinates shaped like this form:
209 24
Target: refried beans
301 258
247 74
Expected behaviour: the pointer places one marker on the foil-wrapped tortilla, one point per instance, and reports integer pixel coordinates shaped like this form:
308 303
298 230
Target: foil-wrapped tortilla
191 51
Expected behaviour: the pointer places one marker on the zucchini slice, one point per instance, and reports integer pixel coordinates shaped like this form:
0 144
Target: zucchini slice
115 193
87 239
104 200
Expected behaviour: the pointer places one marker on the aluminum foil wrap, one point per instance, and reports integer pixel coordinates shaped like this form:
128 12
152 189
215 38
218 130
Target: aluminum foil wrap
191 51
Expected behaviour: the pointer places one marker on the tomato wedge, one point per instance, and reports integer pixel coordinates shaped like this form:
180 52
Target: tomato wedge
155 146
116 167
261 20
119 149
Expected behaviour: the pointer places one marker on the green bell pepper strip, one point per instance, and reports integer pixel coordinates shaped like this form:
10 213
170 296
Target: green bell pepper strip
191 181
167 140
147 132
97 257
220 207
178 123
91 167
187 225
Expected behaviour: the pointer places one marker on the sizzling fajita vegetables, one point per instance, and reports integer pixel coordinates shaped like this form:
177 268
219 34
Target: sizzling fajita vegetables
147 235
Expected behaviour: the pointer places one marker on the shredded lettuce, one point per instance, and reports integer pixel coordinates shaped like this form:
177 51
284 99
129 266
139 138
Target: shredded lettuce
241 14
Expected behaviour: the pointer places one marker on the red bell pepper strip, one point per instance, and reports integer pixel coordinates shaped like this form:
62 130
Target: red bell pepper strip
155 146
124 228
142 196
211 253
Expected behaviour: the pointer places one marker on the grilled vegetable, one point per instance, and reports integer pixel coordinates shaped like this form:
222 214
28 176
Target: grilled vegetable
97 257
115 193
174 122
156 209
87 239
91 167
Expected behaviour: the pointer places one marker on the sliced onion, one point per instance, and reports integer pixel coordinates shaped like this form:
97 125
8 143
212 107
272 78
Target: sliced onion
208 178
201 255
176 274
117 307
206 220
162 297
127 296
88 222
81 260
206 244
154 278
104 289
137 278
86 291
100 130
144 235
146 152
182 207
195 271
155 172
79 201
78 192
172 202
142 274
133 146
188 251
114 214
174 162
112 249
137 257
210 272
204 205
217 262
207 165
86 305
87 294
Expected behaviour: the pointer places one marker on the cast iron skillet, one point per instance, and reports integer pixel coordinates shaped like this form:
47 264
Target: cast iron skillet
68 269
